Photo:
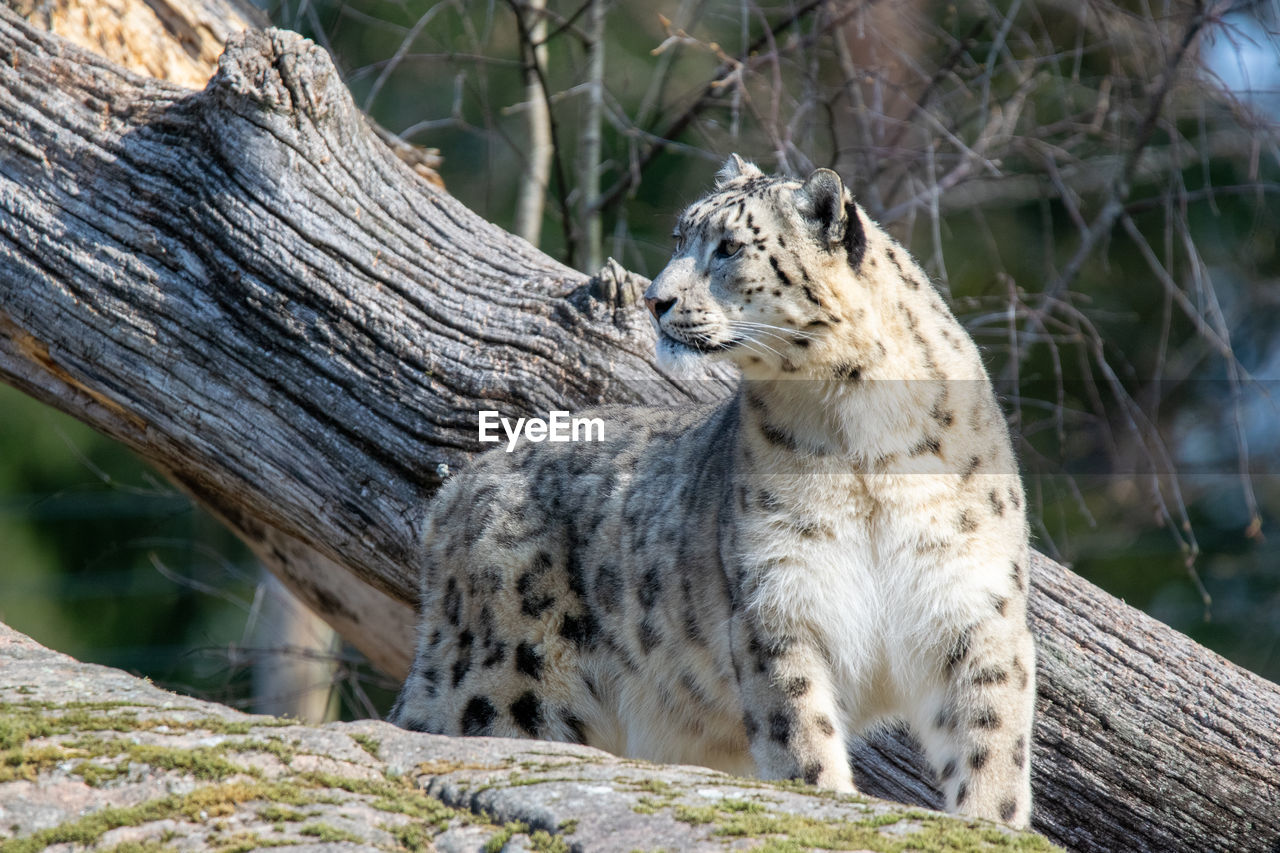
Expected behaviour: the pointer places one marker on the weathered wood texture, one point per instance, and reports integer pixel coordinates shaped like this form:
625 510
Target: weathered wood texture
178 41
245 286
174 40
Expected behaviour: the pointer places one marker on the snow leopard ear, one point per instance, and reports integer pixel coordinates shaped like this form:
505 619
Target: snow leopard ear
736 167
822 202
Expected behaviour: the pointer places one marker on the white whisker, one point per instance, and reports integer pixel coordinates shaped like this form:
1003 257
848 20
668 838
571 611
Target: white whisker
758 325
775 331
750 343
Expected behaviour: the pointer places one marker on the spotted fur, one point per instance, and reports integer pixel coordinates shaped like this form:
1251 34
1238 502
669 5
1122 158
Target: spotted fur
750 585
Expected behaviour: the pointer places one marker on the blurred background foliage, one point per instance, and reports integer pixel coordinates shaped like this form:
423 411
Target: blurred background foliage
1094 184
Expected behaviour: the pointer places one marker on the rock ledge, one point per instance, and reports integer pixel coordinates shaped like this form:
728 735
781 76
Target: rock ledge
93 757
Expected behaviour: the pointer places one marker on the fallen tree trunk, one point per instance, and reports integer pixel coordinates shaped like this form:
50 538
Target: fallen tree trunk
244 285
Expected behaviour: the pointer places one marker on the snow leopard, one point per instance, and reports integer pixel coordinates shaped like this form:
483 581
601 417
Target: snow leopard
840 545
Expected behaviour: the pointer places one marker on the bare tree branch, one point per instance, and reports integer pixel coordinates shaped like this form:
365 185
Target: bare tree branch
1122 184
702 101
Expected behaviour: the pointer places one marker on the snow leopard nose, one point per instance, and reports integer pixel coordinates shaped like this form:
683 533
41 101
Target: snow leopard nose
658 307
664 291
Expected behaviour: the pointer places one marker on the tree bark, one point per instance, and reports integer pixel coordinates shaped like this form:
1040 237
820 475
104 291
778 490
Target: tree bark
244 285
174 40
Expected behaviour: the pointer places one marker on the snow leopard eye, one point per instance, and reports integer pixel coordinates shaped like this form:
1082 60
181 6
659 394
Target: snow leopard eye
679 239
728 248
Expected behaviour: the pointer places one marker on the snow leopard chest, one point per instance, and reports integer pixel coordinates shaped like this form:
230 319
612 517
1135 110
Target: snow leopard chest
851 561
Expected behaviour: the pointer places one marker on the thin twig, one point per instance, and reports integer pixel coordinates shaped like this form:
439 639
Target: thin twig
705 98
1113 207
399 55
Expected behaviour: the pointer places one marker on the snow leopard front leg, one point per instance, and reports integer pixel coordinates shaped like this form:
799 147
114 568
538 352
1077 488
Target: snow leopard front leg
789 707
975 727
